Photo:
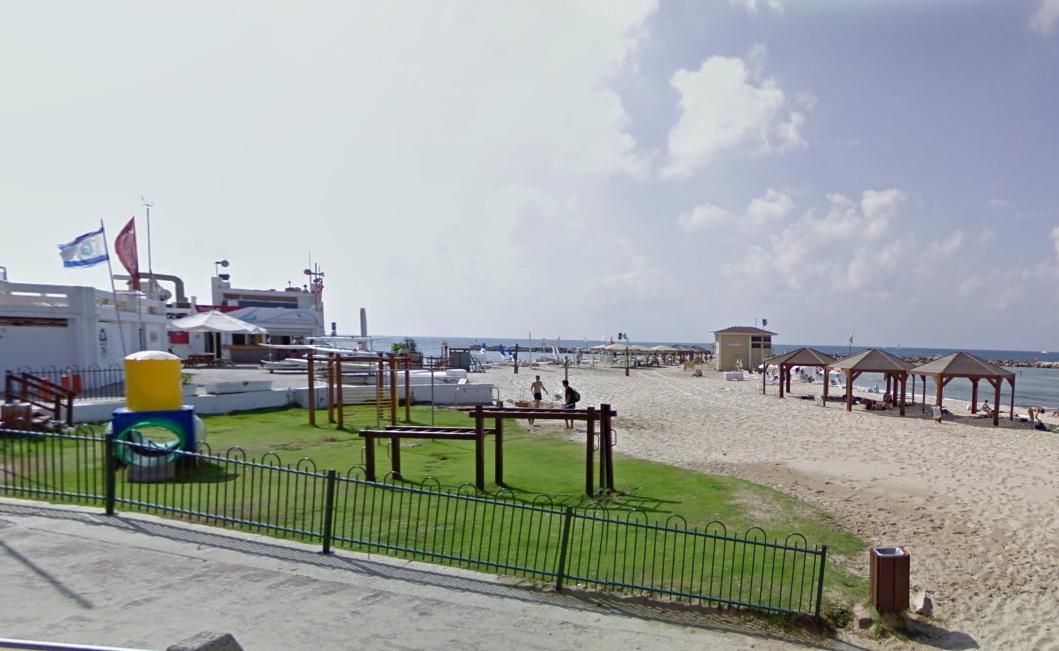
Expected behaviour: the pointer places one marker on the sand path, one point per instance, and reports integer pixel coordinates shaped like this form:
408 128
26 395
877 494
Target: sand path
976 506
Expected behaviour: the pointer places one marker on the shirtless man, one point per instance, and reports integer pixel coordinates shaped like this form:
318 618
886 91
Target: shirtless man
538 390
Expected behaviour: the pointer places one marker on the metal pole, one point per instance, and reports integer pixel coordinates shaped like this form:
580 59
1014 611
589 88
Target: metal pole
113 290
150 267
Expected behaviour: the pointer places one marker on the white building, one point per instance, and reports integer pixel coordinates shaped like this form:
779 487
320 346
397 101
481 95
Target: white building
64 326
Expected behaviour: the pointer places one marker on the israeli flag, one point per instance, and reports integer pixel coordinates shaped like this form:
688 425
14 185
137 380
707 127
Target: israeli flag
85 251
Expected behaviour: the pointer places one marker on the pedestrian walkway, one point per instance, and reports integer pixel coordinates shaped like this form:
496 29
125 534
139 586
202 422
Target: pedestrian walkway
73 575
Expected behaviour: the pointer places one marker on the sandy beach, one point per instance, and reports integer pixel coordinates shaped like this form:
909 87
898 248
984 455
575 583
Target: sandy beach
974 505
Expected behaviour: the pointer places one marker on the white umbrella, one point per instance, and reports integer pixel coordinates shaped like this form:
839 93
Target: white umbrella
214 321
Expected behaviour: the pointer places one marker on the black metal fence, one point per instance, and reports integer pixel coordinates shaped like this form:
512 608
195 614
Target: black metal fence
88 383
505 534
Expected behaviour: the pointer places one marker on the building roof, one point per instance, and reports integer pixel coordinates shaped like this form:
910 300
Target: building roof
962 365
742 330
873 361
802 357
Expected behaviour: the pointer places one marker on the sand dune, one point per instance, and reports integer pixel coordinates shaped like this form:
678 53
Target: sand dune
975 505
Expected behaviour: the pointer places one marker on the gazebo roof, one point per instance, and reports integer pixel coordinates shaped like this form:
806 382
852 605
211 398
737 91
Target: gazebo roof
873 361
802 357
962 365
743 330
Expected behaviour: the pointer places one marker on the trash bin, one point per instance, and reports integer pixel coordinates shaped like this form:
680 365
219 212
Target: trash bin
889 582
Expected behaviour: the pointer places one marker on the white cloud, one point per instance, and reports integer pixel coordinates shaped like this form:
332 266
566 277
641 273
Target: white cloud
721 108
752 5
996 202
947 246
879 209
986 235
844 249
702 217
1055 240
1043 20
774 205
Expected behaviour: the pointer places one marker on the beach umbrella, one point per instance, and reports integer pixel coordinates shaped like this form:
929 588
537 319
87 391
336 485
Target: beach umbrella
214 321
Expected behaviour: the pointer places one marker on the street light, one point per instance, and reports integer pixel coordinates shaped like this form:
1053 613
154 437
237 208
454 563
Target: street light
217 272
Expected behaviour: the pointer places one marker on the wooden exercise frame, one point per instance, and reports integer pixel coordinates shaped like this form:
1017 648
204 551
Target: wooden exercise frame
388 365
604 416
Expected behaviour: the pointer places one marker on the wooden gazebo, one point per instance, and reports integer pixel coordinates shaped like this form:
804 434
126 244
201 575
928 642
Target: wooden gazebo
874 360
787 361
944 369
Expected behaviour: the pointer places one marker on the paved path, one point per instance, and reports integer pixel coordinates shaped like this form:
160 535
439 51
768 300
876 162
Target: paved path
69 574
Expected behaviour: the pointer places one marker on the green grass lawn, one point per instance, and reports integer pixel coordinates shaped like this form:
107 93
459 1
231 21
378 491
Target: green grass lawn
541 467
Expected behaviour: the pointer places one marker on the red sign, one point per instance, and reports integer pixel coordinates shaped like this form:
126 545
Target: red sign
125 247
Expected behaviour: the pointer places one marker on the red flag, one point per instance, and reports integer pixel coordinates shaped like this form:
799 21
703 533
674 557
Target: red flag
125 247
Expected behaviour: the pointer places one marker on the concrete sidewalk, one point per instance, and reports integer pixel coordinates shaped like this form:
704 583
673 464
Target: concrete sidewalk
70 574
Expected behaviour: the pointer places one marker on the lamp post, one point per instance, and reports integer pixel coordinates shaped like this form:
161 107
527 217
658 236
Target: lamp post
219 263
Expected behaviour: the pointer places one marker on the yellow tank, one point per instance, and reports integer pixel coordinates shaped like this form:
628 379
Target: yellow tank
152 381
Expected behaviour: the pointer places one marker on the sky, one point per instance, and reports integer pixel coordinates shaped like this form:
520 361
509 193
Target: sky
570 169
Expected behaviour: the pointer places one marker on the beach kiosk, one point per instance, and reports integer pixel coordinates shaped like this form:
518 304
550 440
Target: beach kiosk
741 347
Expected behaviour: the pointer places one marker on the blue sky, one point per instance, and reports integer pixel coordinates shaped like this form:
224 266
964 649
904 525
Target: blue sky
571 169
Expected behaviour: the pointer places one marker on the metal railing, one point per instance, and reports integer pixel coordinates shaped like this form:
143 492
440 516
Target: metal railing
86 382
533 538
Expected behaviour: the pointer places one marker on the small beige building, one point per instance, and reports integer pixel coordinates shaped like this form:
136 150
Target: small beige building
741 347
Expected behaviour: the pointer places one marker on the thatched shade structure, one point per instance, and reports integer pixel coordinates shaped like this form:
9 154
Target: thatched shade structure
944 369
787 361
872 361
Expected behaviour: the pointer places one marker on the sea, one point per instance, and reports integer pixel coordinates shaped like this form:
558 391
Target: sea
1033 386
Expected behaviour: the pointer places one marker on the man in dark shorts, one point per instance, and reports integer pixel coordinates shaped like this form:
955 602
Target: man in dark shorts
570 400
538 394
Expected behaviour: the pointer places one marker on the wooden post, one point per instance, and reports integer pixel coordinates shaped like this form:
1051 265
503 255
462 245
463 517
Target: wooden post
609 446
1011 409
589 452
939 384
782 371
904 387
312 389
395 456
789 368
479 448
498 449
341 398
407 390
996 404
330 388
974 396
566 369
626 364
393 392
516 359
849 389
913 389
764 373
369 458
827 383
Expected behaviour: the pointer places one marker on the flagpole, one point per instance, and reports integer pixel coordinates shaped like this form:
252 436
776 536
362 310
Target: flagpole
113 290
150 267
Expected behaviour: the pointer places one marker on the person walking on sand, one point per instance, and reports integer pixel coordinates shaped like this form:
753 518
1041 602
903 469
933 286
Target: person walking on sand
570 399
538 390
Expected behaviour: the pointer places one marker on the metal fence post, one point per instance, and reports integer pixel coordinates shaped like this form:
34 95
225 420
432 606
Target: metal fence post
110 472
820 583
329 509
568 517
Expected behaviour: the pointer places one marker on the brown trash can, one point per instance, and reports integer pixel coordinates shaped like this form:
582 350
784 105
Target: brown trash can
889 583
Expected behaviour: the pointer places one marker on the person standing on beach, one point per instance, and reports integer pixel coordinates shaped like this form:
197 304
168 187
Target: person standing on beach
570 399
537 388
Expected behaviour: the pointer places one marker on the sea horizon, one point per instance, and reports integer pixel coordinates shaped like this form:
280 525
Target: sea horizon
1033 386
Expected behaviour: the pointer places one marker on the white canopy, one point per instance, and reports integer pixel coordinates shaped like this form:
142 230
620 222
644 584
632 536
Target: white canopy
214 321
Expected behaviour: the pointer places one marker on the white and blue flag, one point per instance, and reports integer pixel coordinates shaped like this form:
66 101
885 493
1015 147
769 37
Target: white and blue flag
85 251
